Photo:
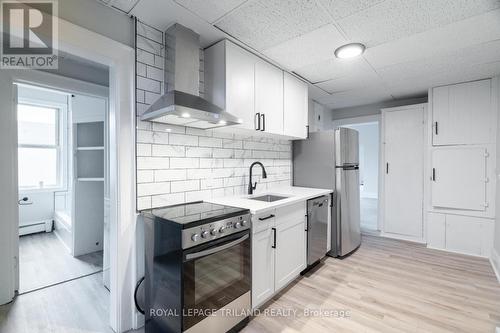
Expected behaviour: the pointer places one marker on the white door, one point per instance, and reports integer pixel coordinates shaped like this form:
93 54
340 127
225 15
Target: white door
262 266
459 178
269 97
295 107
8 184
290 254
462 114
404 157
240 85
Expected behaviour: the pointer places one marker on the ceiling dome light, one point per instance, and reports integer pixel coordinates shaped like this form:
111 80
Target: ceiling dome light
185 115
349 50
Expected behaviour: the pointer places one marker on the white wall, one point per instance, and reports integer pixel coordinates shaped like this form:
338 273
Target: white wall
496 242
369 162
372 109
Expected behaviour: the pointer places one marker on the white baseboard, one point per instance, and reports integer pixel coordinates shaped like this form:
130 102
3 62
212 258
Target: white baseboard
495 263
402 237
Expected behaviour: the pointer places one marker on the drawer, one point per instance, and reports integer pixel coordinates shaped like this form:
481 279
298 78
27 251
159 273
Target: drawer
292 213
263 221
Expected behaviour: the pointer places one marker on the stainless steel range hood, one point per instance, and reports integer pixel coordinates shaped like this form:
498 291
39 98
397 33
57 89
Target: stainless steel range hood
181 103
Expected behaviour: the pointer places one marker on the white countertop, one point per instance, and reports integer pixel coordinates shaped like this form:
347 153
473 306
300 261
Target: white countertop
294 194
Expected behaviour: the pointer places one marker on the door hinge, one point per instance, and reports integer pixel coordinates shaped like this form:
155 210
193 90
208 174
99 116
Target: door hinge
486 205
486 154
487 179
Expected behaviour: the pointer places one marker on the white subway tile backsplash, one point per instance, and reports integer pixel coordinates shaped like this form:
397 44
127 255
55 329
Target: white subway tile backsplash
184 163
169 175
169 151
181 139
153 188
152 163
179 164
210 142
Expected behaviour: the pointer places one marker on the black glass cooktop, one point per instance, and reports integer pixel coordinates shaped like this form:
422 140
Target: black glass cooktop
196 213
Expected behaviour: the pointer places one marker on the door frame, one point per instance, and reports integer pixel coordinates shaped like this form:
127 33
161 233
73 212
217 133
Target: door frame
382 178
120 59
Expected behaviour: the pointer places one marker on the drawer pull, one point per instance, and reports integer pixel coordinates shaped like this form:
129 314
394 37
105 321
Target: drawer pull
266 218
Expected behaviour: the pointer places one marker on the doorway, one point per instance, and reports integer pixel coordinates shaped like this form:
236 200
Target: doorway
369 139
62 180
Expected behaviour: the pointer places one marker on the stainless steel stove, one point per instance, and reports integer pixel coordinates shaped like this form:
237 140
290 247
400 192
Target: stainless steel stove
198 264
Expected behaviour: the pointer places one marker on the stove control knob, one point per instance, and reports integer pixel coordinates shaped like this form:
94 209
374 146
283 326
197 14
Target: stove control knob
244 223
237 225
195 237
213 232
222 230
204 234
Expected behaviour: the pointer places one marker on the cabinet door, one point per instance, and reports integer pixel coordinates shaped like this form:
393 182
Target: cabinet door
269 97
463 234
290 253
459 178
240 84
404 152
262 266
462 114
436 230
295 107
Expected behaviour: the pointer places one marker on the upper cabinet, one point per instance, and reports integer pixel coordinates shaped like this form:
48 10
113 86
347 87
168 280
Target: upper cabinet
269 97
295 103
463 114
230 81
266 99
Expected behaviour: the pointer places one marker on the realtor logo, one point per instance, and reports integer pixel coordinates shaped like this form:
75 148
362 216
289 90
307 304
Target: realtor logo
29 34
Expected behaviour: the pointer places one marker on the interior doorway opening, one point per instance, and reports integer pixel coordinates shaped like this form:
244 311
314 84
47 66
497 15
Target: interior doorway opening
369 147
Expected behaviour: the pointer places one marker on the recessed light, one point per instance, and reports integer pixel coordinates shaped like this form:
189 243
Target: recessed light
186 115
349 50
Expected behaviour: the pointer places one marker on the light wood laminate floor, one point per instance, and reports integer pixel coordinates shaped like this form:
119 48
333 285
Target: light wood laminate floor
387 286
392 286
44 261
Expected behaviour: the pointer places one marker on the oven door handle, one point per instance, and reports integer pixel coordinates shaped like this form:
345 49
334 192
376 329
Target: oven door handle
196 255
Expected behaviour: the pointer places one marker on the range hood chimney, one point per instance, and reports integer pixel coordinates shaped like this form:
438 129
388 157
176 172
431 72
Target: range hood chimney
181 103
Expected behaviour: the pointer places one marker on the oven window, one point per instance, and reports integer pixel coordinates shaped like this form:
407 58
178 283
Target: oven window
215 280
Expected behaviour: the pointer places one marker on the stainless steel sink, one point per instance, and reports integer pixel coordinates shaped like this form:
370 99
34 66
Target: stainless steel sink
268 198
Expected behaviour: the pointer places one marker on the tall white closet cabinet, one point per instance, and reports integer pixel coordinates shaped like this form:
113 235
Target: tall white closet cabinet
462 162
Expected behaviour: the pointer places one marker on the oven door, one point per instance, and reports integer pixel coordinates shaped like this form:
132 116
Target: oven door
214 275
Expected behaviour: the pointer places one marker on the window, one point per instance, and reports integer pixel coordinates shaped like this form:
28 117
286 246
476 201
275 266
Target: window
39 147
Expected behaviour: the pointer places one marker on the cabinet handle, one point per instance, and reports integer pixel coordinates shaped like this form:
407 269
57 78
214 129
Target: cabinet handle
436 128
387 168
307 128
266 218
263 116
256 121
433 174
274 238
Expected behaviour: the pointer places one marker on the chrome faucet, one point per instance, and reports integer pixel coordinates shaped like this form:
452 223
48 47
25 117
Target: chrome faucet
264 175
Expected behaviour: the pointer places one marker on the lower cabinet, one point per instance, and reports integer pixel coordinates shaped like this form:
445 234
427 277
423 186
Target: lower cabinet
278 250
463 234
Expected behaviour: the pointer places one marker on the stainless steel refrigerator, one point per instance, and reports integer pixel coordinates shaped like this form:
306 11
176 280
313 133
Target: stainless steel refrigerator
330 159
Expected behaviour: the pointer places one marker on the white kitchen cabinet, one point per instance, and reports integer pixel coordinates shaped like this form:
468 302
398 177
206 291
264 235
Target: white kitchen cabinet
230 81
403 140
436 230
463 114
278 250
262 266
269 97
295 106
262 96
459 178
290 244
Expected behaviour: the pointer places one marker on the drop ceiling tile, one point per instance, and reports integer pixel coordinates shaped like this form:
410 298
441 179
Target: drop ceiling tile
342 8
449 62
355 80
310 48
363 96
394 19
265 23
475 30
210 10
333 68
124 5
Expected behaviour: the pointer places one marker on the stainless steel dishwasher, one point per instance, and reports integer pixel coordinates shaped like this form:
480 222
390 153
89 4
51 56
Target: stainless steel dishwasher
317 229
